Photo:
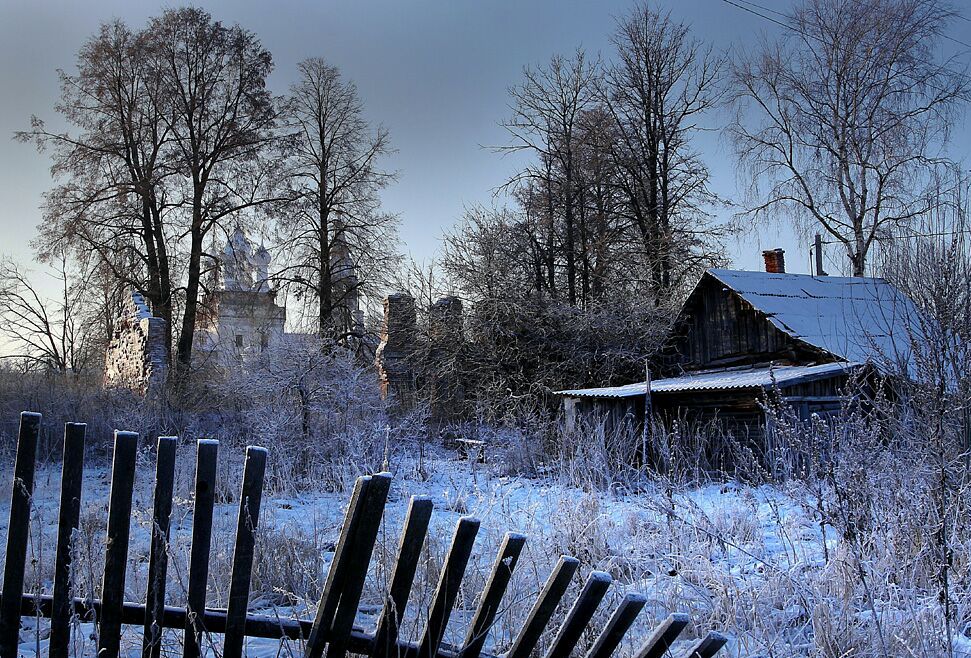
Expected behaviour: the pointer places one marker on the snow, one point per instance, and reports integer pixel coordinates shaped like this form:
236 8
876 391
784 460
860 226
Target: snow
681 549
856 319
141 306
719 380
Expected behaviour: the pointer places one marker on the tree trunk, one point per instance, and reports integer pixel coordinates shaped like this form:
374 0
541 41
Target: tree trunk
184 350
325 290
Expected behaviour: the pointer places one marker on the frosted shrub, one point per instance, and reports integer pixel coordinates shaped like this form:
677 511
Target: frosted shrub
318 412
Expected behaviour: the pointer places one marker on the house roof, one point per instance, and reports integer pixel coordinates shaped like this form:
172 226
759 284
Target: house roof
720 380
854 319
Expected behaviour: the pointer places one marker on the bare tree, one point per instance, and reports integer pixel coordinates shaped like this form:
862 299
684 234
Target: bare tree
547 113
657 91
113 200
841 121
42 332
220 117
339 242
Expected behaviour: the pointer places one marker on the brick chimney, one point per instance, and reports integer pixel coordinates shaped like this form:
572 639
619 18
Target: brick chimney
775 261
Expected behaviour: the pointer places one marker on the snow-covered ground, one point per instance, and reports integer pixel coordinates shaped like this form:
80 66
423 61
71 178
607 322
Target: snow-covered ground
739 559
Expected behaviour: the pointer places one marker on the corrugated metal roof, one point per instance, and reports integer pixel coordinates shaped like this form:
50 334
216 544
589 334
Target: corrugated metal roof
720 380
857 319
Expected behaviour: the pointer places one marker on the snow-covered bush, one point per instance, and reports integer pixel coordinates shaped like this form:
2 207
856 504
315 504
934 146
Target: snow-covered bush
317 410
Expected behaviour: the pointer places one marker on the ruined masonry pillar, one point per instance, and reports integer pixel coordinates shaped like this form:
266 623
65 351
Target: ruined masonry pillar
395 354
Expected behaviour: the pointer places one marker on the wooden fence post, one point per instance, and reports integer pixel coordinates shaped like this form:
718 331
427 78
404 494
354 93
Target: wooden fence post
68 520
405 566
18 533
250 498
158 553
205 499
116 544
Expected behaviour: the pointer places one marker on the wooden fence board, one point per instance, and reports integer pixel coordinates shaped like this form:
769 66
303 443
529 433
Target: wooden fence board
485 614
68 519
158 552
330 596
618 625
357 566
542 611
250 497
580 615
18 532
664 636
116 544
707 646
202 508
448 586
405 566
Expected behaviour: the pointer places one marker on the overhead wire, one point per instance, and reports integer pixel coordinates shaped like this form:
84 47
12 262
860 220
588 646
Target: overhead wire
740 4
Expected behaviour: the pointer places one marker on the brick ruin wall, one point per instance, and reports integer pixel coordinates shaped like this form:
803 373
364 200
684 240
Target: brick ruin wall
136 357
446 391
412 367
396 353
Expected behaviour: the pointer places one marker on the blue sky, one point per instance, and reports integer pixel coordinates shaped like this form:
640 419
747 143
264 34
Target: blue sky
434 72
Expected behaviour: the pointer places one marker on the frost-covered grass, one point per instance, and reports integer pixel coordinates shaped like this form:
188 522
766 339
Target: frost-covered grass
746 560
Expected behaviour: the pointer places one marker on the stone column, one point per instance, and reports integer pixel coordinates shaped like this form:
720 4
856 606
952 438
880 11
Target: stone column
446 393
396 353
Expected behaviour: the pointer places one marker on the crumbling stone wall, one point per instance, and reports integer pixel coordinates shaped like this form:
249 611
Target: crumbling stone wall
396 352
137 357
446 391
426 365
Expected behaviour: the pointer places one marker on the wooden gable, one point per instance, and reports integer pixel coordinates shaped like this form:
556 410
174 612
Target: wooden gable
717 328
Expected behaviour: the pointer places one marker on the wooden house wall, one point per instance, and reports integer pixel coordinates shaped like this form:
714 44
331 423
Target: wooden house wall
717 328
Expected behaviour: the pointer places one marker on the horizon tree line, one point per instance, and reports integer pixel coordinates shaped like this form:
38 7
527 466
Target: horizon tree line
841 124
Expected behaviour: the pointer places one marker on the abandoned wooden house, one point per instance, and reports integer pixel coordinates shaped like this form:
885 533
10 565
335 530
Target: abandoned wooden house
741 334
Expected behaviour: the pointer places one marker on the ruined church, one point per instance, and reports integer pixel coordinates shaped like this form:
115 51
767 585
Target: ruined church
241 318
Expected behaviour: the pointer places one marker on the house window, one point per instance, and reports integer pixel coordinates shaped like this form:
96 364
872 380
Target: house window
239 340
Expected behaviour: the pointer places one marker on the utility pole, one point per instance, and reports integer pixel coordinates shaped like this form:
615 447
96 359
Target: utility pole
818 252
646 434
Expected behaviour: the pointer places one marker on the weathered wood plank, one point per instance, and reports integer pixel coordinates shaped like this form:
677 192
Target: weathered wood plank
664 636
116 544
205 498
448 586
485 614
262 626
250 497
707 646
363 547
580 615
403 576
542 611
18 532
618 625
68 519
330 595
158 552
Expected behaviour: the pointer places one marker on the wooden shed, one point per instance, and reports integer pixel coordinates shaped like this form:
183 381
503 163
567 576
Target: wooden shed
742 334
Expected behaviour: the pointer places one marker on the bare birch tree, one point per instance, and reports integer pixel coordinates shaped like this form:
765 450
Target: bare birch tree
43 332
841 120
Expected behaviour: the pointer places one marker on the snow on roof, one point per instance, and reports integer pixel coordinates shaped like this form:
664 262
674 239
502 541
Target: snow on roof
720 380
857 319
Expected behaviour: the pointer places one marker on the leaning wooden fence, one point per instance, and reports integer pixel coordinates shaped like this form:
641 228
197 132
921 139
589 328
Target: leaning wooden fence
333 629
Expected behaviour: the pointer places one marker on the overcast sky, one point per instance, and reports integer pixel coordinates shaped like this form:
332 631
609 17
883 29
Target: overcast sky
434 72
